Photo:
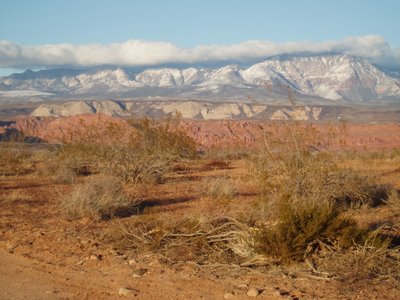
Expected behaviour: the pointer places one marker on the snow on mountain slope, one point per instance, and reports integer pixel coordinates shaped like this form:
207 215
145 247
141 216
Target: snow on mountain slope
332 77
260 74
335 77
161 77
226 75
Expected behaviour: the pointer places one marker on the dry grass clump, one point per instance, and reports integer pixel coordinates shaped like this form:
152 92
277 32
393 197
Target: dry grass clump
371 259
220 188
81 158
61 163
303 174
64 175
15 195
10 153
100 197
59 171
13 159
232 153
198 239
393 201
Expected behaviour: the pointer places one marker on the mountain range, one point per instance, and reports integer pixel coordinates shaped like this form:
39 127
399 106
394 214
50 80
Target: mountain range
318 79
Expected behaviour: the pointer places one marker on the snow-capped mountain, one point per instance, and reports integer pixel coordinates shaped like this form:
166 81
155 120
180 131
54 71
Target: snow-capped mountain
308 78
335 77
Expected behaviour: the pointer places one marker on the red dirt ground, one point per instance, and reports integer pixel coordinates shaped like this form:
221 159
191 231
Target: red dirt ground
45 256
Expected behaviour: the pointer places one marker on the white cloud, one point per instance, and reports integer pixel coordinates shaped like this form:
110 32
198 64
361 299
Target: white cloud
146 53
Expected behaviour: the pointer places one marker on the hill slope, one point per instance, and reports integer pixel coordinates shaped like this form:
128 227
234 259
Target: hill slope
310 79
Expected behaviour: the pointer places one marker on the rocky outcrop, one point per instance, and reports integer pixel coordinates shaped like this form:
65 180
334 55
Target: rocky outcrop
83 128
221 133
187 109
300 113
76 108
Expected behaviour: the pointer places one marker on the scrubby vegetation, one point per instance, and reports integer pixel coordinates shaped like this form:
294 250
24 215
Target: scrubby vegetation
100 197
14 155
144 156
300 202
220 188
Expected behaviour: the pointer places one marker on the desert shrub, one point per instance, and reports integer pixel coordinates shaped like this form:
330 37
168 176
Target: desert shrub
220 188
100 197
145 158
303 196
394 203
166 139
298 223
10 153
137 167
394 198
126 163
317 176
82 159
51 164
372 258
223 240
63 174
14 158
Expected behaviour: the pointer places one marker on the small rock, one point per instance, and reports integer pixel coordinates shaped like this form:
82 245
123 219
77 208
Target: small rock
81 262
95 257
139 272
280 293
252 293
228 296
10 248
125 291
242 286
132 262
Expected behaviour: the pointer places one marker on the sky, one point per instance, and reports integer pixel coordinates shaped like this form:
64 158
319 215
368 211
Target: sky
54 33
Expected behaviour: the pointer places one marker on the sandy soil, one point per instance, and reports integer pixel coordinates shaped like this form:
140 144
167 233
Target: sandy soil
45 256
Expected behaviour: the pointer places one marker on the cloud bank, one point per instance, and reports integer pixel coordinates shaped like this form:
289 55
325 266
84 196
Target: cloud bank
134 53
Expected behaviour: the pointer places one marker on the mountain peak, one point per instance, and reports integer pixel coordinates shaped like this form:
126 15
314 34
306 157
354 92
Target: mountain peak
330 76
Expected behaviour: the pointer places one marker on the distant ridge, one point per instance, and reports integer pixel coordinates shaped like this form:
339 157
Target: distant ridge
312 79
